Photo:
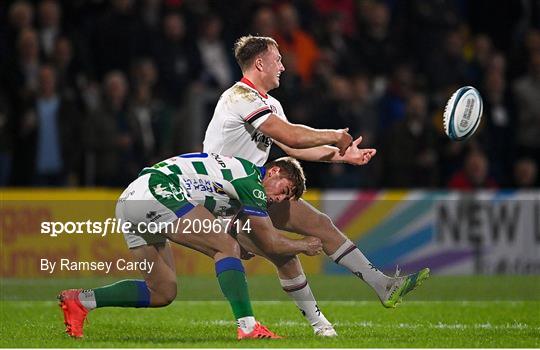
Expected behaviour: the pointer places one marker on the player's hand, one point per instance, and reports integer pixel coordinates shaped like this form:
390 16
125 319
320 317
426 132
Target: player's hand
313 246
344 140
358 156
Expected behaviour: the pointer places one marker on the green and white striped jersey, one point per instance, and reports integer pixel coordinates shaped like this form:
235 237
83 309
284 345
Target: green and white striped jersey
224 185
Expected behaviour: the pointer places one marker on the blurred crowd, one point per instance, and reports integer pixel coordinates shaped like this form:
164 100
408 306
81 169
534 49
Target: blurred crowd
92 91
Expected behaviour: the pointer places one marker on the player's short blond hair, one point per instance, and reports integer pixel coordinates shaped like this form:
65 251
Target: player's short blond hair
248 47
291 169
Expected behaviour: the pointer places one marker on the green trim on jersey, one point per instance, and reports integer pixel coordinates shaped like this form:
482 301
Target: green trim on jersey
175 169
210 203
200 168
227 174
248 166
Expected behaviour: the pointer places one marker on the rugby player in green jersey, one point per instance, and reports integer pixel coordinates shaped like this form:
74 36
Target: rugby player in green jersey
177 193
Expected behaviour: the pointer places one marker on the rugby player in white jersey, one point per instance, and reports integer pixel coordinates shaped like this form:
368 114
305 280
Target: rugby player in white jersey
184 195
245 123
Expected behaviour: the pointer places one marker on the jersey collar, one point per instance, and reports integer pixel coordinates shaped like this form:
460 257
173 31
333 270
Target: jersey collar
250 84
262 170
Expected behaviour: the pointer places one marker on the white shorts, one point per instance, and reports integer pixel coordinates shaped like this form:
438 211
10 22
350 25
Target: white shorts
151 198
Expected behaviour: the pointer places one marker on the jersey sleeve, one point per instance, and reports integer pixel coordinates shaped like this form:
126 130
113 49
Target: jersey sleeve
250 107
251 194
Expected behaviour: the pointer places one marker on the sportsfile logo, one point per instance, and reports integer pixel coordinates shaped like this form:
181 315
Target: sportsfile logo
100 228
153 227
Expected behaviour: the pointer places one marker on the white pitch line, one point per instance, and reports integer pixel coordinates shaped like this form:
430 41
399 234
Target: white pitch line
369 324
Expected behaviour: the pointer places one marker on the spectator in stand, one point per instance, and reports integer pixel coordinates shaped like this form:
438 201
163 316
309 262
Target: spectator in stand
70 77
151 12
152 114
520 57
295 41
335 42
22 72
117 38
377 49
145 72
393 103
217 71
264 22
482 52
423 25
50 27
526 93
525 173
345 10
364 109
20 18
410 148
178 60
474 174
47 151
336 108
497 126
113 136
449 66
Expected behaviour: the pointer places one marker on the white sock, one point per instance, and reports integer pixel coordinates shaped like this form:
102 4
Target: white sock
298 289
351 257
88 299
246 324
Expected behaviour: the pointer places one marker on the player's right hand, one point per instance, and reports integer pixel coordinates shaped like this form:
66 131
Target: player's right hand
344 140
313 246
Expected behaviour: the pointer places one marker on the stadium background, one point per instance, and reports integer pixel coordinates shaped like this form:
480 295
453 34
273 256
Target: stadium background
92 91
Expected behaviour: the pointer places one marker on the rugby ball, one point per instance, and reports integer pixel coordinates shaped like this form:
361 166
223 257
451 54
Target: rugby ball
463 113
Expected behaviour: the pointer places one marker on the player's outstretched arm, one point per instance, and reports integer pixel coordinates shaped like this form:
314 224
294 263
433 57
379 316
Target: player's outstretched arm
270 241
353 155
301 136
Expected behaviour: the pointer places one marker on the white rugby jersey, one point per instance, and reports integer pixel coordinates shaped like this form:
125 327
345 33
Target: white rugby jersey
233 130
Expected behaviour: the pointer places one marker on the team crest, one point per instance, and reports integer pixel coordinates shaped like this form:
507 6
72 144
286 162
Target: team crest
172 192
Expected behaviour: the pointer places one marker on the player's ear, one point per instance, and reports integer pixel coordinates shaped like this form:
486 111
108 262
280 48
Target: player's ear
273 171
259 63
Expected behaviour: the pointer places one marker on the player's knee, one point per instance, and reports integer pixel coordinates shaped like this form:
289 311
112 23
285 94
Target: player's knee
324 222
167 292
170 295
163 292
285 262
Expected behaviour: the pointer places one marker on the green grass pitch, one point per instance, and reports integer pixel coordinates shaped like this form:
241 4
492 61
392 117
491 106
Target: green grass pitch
473 311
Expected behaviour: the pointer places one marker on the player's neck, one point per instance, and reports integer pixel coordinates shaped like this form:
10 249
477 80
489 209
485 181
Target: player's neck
255 83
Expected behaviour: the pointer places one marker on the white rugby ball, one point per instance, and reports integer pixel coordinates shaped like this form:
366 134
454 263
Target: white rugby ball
463 113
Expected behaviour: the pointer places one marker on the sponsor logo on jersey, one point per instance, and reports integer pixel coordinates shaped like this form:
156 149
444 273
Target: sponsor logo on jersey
152 216
218 188
219 160
259 194
260 138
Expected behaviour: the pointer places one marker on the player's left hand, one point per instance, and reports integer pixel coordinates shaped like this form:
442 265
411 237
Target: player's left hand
358 156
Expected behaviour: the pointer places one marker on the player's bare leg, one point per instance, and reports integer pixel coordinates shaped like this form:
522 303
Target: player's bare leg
301 217
295 284
158 289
